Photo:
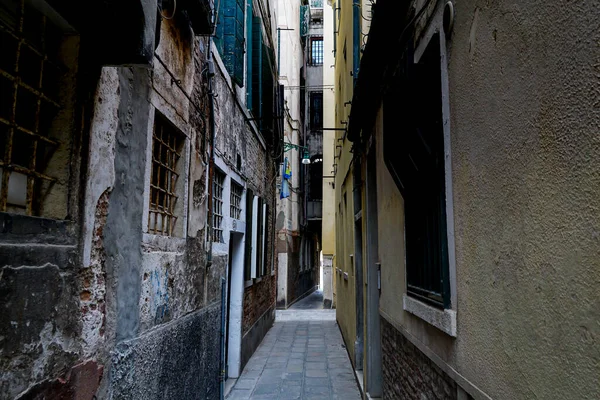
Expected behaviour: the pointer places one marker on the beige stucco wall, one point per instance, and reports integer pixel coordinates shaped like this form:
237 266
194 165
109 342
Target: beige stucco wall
328 221
524 84
345 289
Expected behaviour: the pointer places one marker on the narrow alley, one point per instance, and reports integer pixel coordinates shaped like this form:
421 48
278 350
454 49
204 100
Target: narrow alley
302 357
299 199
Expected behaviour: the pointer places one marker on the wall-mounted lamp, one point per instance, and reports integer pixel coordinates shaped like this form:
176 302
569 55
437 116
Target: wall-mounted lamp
305 156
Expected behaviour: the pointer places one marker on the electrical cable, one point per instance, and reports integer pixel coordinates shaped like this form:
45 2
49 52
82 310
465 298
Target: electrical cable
178 84
172 14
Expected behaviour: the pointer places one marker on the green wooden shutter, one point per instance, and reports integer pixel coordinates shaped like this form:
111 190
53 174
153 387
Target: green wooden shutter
233 39
304 18
249 61
238 69
267 93
257 44
220 31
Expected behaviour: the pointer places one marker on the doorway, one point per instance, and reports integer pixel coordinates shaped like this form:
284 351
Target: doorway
374 373
235 296
358 265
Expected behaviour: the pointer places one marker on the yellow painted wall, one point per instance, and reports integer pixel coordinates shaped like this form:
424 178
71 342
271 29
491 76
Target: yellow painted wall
329 204
344 83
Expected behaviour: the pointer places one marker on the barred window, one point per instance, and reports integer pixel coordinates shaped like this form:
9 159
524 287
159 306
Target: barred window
235 207
316 51
37 91
167 146
218 182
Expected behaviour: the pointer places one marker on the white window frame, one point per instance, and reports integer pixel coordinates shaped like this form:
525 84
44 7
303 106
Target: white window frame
254 238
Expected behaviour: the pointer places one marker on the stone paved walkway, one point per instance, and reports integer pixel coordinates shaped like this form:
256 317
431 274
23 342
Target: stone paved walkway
302 357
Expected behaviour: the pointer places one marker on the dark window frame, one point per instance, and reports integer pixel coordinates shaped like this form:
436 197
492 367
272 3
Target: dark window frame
315 51
315 110
36 152
168 146
414 152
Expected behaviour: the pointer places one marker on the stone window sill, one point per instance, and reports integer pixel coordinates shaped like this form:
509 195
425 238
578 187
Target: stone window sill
247 284
444 320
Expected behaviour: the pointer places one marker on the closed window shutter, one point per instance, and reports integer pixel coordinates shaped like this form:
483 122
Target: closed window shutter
249 59
265 237
220 29
257 43
233 39
238 68
267 94
259 238
248 238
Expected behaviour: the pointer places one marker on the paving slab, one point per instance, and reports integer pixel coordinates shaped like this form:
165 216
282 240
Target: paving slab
302 357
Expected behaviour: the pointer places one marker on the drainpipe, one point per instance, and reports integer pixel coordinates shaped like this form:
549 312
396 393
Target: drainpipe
211 163
356 38
211 169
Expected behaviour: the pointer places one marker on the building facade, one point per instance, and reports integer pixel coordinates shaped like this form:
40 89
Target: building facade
300 194
351 20
136 241
328 280
471 195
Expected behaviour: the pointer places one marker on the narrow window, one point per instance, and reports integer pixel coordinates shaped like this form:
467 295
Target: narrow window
316 110
218 183
37 92
316 51
235 200
165 185
414 154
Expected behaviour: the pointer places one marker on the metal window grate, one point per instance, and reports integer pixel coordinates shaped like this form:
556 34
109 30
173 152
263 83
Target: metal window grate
167 143
29 77
235 207
218 183
316 51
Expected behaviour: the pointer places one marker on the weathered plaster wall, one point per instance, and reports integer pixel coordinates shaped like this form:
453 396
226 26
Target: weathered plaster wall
40 321
525 149
237 136
114 314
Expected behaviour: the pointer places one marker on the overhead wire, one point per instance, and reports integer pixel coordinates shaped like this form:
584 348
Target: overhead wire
172 14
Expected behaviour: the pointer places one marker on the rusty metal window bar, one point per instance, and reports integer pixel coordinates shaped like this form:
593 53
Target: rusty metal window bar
218 183
29 78
235 208
167 145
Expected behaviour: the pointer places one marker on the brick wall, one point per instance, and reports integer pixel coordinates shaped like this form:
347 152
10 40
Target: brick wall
407 373
236 137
